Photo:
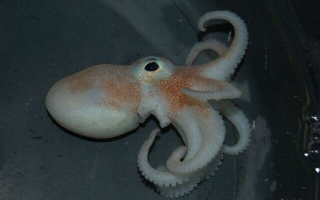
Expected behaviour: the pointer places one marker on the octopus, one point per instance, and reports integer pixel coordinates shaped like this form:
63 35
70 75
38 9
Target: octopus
108 100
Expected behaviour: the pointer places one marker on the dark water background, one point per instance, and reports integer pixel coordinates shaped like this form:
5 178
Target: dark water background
44 41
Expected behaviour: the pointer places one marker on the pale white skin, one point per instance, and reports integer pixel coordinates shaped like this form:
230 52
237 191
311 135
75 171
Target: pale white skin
105 101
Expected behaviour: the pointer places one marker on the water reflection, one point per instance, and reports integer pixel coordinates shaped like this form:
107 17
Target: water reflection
313 119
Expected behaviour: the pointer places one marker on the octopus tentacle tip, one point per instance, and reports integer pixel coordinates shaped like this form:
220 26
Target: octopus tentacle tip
225 65
154 133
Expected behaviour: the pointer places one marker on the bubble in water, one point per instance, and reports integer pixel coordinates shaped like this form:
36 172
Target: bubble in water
313 116
315 127
315 136
314 151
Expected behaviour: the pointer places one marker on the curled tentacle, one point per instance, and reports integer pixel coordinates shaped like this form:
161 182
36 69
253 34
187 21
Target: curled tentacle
167 183
212 130
188 186
187 129
159 177
213 45
225 65
239 120
186 174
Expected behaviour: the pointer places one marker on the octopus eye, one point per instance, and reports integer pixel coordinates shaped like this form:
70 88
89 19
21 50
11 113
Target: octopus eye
152 66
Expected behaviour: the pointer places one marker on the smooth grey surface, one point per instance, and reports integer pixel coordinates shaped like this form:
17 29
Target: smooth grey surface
44 41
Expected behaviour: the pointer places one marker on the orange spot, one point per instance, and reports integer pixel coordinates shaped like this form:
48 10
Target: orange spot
176 100
82 80
122 91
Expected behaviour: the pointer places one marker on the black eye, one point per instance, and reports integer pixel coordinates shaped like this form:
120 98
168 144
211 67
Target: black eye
153 66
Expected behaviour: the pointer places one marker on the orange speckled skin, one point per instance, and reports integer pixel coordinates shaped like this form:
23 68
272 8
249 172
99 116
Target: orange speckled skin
120 87
105 97
100 102
170 91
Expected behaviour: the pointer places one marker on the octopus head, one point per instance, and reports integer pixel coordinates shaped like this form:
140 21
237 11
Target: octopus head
99 102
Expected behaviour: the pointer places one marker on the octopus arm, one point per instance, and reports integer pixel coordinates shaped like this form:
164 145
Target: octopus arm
179 183
187 130
190 132
159 177
212 131
222 67
213 45
187 186
167 183
204 88
239 120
